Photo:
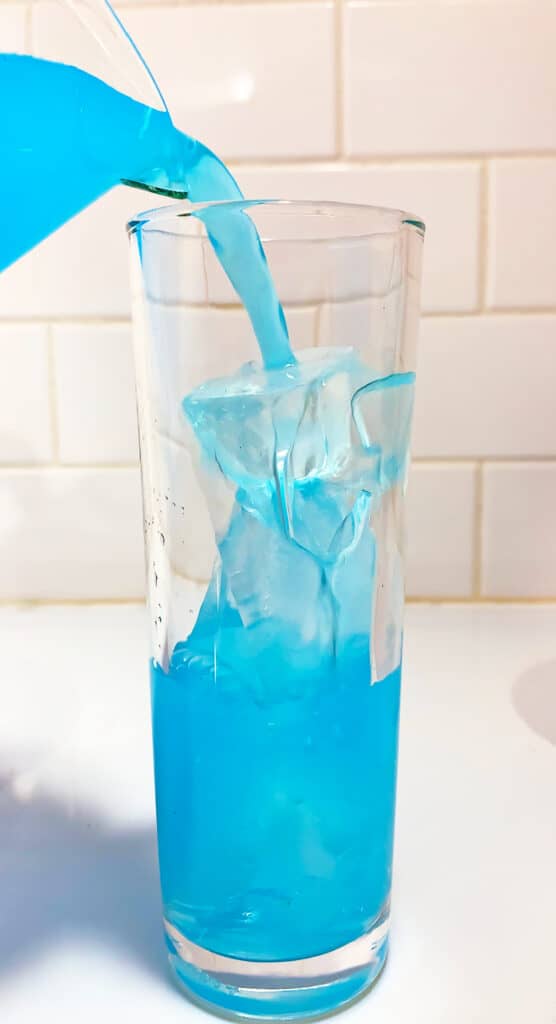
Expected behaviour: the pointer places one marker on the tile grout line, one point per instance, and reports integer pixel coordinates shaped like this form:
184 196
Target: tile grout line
519 311
347 162
437 461
136 5
28 603
477 568
52 396
102 466
20 469
492 311
28 29
483 261
317 325
339 76
370 160
473 459
70 320
484 601
108 321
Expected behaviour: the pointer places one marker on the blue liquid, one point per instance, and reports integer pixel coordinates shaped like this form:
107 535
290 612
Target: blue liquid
66 138
275 818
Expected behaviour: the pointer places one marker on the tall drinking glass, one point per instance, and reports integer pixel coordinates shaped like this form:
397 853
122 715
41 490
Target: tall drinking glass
273 503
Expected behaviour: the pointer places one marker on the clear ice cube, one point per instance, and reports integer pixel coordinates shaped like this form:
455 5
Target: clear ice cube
309 449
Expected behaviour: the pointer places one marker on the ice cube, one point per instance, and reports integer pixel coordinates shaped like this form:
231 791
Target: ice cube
309 449
246 422
382 414
267 606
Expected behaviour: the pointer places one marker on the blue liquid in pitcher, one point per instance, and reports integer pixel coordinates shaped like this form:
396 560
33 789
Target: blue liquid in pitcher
275 756
66 138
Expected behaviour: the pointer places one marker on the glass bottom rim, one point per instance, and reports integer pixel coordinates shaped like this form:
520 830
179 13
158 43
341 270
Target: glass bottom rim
287 990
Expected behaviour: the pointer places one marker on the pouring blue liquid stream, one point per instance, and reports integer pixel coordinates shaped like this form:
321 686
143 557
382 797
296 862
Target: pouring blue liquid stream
276 787
67 138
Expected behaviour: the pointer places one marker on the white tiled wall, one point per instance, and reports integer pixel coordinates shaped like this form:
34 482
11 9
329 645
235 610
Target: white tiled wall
449 76
443 108
232 68
94 394
522 227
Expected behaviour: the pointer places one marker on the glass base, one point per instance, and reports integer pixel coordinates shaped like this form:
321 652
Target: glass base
285 990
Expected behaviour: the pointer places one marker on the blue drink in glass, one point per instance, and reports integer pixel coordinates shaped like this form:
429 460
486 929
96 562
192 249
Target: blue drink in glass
275 411
273 498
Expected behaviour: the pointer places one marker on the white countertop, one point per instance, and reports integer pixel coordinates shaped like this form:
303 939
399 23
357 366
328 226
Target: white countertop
474 929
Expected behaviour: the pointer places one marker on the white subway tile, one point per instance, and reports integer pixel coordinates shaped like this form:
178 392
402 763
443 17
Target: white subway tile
25 427
58 34
485 387
317 272
440 530
362 324
95 393
68 533
80 270
454 77
250 81
302 275
188 527
519 539
445 196
168 272
301 326
522 233
12 28
373 327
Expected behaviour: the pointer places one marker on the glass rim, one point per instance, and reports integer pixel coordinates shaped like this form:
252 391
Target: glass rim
154 219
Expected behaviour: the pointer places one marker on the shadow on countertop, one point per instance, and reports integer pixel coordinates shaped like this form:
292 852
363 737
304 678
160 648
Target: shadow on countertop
534 699
66 872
